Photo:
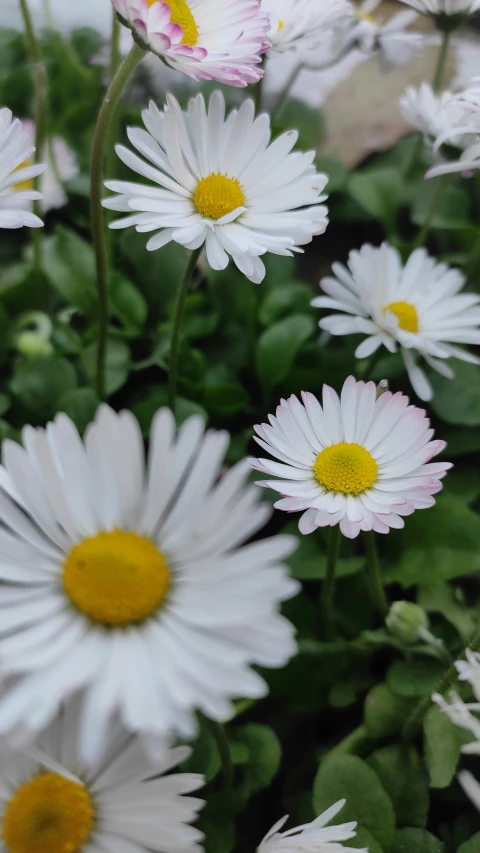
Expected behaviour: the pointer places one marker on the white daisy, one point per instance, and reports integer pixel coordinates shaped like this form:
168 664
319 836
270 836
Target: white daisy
394 45
131 583
314 837
16 172
467 103
220 182
51 801
304 24
205 39
416 307
62 166
434 114
445 7
359 461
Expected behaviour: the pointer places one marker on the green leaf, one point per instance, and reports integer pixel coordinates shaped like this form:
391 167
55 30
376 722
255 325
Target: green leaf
278 346
127 303
155 398
80 404
39 385
336 171
412 840
457 401
444 599
442 747
226 399
406 782
285 300
414 678
69 263
156 274
451 212
364 840
461 441
118 364
205 756
264 759
380 192
385 712
347 776
306 120
471 846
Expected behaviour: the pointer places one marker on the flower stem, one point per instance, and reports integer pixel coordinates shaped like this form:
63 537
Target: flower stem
329 582
373 564
41 106
96 187
449 676
177 323
220 736
421 236
441 62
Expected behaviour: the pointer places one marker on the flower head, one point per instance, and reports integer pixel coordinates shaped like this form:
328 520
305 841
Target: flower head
314 837
51 800
220 182
418 307
304 24
445 7
62 167
205 39
462 132
434 115
357 461
394 45
16 172
132 585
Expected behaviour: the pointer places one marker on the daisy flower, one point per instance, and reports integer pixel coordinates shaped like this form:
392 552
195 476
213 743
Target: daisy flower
16 173
467 128
434 114
394 45
132 585
220 182
62 166
357 461
445 8
205 39
314 837
303 24
51 801
418 307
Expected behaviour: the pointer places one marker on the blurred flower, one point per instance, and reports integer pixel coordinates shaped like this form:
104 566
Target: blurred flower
314 837
50 800
470 786
206 39
304 24
131 584
16 172
416 307
446 8
467 103
62 16
218 181
393 44
62 166
434 114
359 461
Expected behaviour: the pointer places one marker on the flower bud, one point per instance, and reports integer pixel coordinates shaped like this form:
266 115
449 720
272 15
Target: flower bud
407 621
32 345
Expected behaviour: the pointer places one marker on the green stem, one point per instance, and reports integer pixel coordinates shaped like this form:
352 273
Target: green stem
447 680
282 98
373 564
110 157
422 234
220 736
441 63
41 89
474 259
96 188
177 323
329 582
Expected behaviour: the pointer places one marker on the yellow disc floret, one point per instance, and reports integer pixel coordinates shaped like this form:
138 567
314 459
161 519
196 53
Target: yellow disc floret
406 314
182 15
345 467
24 185
218 195
281 26
48 814
116 578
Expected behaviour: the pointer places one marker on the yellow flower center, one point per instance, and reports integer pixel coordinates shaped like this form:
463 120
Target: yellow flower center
363 16
48 814
182 15
24 185
116 578
406 314
346 468
281 25
218 195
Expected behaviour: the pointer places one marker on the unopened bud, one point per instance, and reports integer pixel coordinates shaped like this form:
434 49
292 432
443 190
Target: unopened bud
382 387
31 345
407 621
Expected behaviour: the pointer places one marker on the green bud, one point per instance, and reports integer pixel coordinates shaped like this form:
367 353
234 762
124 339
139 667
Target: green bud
407 621
32 345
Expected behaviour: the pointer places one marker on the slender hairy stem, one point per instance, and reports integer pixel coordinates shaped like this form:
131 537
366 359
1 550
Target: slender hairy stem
96 187
421 236
221 739
110 156
329 582
448 678
177 324
41 106
375 573
441 63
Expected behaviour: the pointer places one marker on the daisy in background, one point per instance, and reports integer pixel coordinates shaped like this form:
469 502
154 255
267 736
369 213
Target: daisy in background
435 114
304 24
356 461
218 181
417 308
62 167
132 584
51 801
16 173
205 39
467 127
445 8
314 837
394 45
